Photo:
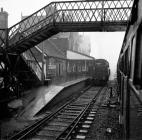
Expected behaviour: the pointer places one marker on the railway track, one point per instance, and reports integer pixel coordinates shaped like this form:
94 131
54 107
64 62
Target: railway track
71 121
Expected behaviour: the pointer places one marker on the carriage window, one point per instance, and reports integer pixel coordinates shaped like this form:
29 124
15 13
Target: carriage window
126 62
138 60
129 59
132 59
122 66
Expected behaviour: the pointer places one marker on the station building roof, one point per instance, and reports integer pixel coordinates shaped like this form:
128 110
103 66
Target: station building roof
78 56
51 49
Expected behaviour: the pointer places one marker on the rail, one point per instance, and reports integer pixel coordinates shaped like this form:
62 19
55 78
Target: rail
75 105
77 120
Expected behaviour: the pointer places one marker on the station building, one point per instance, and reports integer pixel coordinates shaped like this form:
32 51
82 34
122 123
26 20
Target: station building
57 58
54 55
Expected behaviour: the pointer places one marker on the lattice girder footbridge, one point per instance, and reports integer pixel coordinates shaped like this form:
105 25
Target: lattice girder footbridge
68 16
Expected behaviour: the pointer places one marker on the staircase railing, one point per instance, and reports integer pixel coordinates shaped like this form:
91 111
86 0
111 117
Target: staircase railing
33 63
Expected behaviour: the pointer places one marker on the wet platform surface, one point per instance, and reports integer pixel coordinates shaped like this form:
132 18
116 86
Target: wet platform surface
32 101
40 97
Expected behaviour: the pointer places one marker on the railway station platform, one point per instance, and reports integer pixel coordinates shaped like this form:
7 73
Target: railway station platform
34 101
104 122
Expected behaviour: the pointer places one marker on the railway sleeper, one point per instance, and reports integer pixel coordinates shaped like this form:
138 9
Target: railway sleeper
74 108
58 123
54 128
49 133
64 120
72 111
70 114
42 138
66 117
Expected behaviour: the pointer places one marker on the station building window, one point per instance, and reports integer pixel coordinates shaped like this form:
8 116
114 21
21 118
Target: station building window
51 68
74 68
84 66
79 68
64 66
68 67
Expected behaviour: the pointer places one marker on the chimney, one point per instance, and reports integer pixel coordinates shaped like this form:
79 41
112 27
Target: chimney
3 19
2 10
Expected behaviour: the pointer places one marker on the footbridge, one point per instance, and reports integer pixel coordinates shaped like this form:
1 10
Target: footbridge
67 16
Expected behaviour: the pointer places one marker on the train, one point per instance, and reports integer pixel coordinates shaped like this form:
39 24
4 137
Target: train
101 72
129 76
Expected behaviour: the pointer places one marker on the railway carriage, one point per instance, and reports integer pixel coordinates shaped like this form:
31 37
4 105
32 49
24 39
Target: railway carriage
129 75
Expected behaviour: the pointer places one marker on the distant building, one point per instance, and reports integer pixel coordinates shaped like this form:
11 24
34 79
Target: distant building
77 42
80 43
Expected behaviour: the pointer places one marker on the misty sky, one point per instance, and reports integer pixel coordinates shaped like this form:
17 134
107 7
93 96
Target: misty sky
103 45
